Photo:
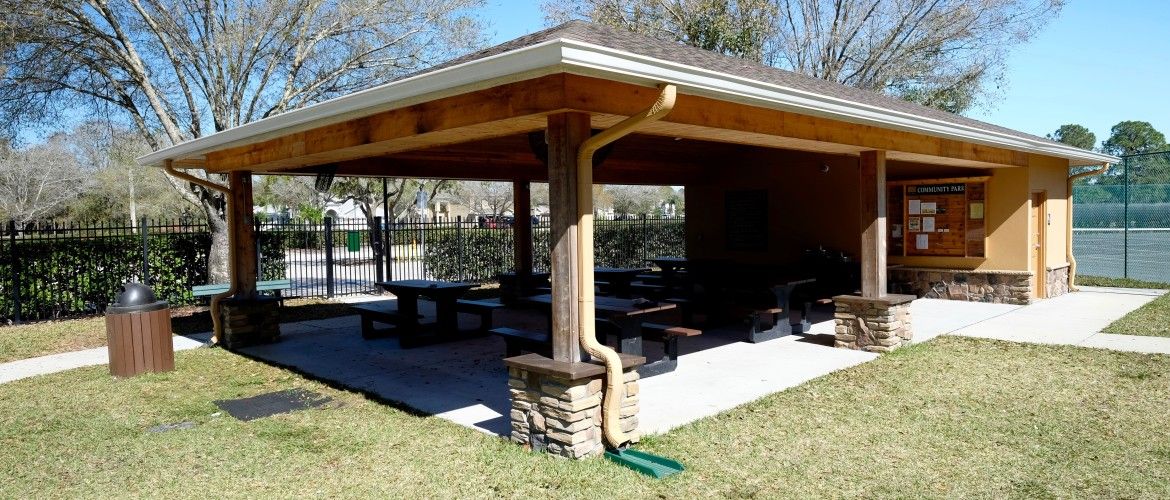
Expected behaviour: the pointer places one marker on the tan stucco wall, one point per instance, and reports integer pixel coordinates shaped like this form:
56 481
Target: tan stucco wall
1007 223
1051 175
809 208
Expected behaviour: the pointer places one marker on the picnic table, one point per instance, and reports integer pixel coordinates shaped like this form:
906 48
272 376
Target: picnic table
669 265
514 286
443 293
624 314
619 278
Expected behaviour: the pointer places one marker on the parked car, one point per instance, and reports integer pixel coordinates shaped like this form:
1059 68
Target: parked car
495 221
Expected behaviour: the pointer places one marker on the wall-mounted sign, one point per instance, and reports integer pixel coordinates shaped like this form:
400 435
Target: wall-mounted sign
951 188
941 217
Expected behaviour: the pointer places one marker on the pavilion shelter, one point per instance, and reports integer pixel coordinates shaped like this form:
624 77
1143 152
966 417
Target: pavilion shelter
773 163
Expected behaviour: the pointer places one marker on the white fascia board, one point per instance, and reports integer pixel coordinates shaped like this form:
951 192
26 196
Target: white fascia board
529 62
595 60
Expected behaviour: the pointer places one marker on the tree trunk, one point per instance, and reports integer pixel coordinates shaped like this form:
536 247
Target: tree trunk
218 265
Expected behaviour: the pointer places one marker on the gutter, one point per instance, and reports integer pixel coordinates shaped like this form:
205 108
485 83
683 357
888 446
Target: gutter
216 320
615 382
1068 240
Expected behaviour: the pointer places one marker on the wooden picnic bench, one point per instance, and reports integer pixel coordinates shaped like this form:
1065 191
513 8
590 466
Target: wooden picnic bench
668 335
517 341
382 311
482 308
274 286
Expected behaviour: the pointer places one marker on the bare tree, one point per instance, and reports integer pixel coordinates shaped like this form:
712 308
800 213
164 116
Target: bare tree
940 53
367 193
38 182
120 188
486 197
293 192
636 200
180 69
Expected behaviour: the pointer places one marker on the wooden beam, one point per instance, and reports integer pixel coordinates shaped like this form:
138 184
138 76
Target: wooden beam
705 118
497 111
566 132
434 168
522 228
873 223
243 243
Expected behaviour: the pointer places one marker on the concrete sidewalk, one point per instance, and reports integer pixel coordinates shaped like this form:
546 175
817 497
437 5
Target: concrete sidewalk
16 370
1072 319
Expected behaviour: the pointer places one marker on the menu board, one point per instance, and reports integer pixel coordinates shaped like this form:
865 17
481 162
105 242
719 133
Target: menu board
940 217
746 220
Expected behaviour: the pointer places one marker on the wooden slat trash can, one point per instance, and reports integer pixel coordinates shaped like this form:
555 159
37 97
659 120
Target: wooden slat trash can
138 333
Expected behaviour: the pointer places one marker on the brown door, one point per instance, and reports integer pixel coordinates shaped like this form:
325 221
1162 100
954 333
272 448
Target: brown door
1039 227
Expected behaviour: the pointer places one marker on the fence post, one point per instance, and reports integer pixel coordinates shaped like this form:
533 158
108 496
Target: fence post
329 257
645 240
379 251
389 251
259 251
1125 220
459 246
15 271
142 231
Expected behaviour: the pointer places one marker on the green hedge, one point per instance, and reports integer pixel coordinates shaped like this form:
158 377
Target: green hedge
489 252
75 276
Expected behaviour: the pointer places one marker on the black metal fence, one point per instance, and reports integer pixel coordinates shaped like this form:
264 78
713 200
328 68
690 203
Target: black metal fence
50 270
1121 220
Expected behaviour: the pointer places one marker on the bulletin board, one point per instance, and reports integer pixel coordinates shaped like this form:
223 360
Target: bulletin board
938 217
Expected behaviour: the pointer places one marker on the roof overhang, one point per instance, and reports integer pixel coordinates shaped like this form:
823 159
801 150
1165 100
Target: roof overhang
574 57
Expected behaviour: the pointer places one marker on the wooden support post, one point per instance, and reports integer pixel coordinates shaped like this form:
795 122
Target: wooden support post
522 230
565 134
873 223
243 243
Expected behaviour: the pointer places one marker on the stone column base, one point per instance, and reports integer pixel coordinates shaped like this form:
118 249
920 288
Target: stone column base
556 405
250 321
874 324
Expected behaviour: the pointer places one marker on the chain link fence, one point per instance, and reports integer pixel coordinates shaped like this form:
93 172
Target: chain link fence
1121 220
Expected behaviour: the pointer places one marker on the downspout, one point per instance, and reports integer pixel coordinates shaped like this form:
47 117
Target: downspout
217 328
1068 240
615 383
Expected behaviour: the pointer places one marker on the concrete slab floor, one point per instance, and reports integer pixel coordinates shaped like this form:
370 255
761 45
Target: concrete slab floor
465 381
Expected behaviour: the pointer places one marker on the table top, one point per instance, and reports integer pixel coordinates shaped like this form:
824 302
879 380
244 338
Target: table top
535 274
612 306
619 270
671 260
425 285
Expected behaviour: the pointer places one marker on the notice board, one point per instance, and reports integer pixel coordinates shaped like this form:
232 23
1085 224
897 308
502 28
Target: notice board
938 217
746 220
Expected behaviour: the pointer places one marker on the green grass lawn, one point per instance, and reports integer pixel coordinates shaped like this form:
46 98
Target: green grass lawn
51 337
952 417
1152 319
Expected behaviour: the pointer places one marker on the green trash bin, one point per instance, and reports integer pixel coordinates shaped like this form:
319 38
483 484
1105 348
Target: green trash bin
353 240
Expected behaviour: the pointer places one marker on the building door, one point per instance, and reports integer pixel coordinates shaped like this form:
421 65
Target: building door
1039 230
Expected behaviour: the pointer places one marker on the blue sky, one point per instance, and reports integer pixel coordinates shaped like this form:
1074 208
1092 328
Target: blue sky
1098 63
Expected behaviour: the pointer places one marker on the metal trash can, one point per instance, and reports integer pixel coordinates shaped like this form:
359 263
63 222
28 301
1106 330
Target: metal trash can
138 333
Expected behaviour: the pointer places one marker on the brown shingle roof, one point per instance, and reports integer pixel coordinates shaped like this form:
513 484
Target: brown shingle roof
642 45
